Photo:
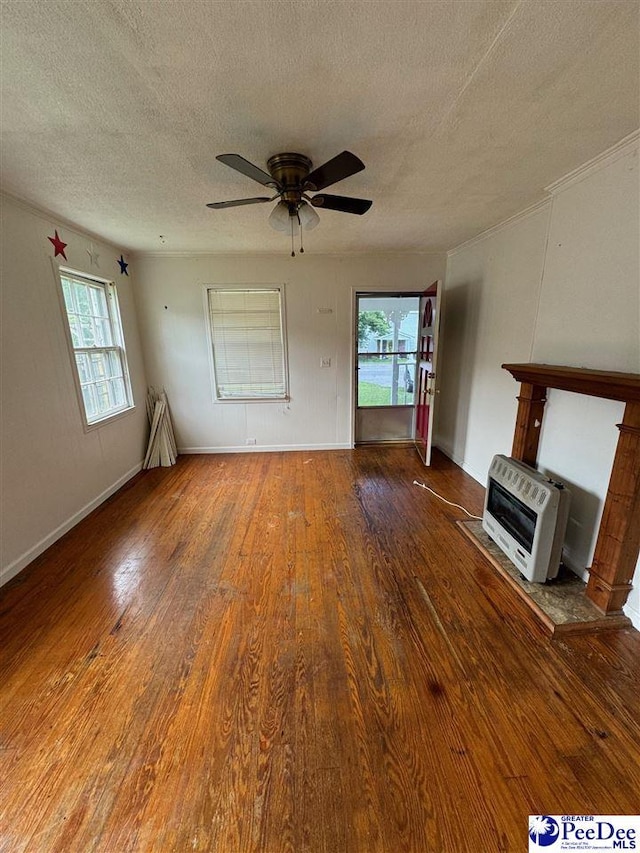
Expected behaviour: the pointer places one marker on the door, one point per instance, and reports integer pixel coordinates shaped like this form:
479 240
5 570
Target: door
430 310
386 355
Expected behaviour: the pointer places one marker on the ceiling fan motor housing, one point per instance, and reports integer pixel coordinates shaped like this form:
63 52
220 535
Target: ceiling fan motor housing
291 176
290 171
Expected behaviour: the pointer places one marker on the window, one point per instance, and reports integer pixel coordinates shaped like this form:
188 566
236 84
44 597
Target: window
248 343
99 356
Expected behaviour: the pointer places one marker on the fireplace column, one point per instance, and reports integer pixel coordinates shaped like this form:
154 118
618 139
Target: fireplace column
616 552
528 422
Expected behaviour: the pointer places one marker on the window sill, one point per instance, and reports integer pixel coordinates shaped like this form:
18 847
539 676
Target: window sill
90 427
252 400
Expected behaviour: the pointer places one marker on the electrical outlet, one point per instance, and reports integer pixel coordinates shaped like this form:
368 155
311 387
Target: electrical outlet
250 441
325 361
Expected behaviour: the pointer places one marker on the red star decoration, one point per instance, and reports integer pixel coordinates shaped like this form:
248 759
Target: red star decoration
58 245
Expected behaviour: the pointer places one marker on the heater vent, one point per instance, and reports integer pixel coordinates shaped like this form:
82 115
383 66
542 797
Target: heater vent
526 516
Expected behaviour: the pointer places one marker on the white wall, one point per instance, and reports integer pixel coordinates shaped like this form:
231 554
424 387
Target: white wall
53 472
169 293
491 298
560 285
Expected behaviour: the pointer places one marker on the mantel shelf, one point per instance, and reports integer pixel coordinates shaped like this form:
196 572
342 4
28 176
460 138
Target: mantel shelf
609 385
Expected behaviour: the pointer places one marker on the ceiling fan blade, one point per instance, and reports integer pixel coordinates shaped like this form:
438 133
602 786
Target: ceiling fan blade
339 167
342 203
218 205
235 161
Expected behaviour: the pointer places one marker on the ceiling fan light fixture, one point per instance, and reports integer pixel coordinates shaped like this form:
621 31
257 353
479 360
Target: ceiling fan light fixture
279 217
307 216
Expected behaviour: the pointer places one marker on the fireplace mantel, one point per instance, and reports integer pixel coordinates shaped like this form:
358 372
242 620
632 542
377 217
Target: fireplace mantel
594 383
618 542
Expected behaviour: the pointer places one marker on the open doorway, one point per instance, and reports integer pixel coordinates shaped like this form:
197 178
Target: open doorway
387 345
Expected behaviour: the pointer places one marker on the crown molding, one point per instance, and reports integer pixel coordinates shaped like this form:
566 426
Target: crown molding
54 219
625 146
195 254
501 226
620 149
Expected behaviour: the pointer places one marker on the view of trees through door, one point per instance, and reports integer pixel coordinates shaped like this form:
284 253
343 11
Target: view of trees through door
387 350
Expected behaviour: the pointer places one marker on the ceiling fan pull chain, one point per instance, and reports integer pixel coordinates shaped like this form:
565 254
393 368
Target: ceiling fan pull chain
300 226
293 254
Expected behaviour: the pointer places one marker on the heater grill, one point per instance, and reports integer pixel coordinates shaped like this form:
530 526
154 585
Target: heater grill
526 514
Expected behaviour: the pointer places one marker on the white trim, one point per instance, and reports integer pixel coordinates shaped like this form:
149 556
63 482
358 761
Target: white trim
265 448
10 571
500 226
460 462
353 364
204 253
55 219
620 149
633 614
457 460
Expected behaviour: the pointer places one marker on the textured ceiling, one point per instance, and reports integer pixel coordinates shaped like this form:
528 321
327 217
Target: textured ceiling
113 111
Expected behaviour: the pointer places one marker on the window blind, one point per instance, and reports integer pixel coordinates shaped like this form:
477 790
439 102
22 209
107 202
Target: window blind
248 343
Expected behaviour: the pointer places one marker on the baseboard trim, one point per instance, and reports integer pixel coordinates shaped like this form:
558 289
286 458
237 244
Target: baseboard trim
448 452
14 568
265 448
633 615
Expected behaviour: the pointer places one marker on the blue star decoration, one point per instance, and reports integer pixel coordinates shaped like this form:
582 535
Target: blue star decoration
123 266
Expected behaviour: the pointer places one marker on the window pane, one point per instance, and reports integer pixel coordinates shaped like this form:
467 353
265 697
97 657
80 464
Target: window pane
90 404
385 380
118 392
102 396
99 365
99 302
83 301
387 348
68 294
388 324
74 328
115 364
102 330
84 368
86 331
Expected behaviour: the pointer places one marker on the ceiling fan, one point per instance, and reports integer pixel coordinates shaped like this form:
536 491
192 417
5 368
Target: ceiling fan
291 177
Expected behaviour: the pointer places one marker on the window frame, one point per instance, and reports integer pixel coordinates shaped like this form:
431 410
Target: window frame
118 346
247 288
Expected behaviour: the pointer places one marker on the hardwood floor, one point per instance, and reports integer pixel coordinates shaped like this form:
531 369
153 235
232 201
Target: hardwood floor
297 652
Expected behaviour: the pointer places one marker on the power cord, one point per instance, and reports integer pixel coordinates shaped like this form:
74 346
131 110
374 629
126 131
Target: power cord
457 506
